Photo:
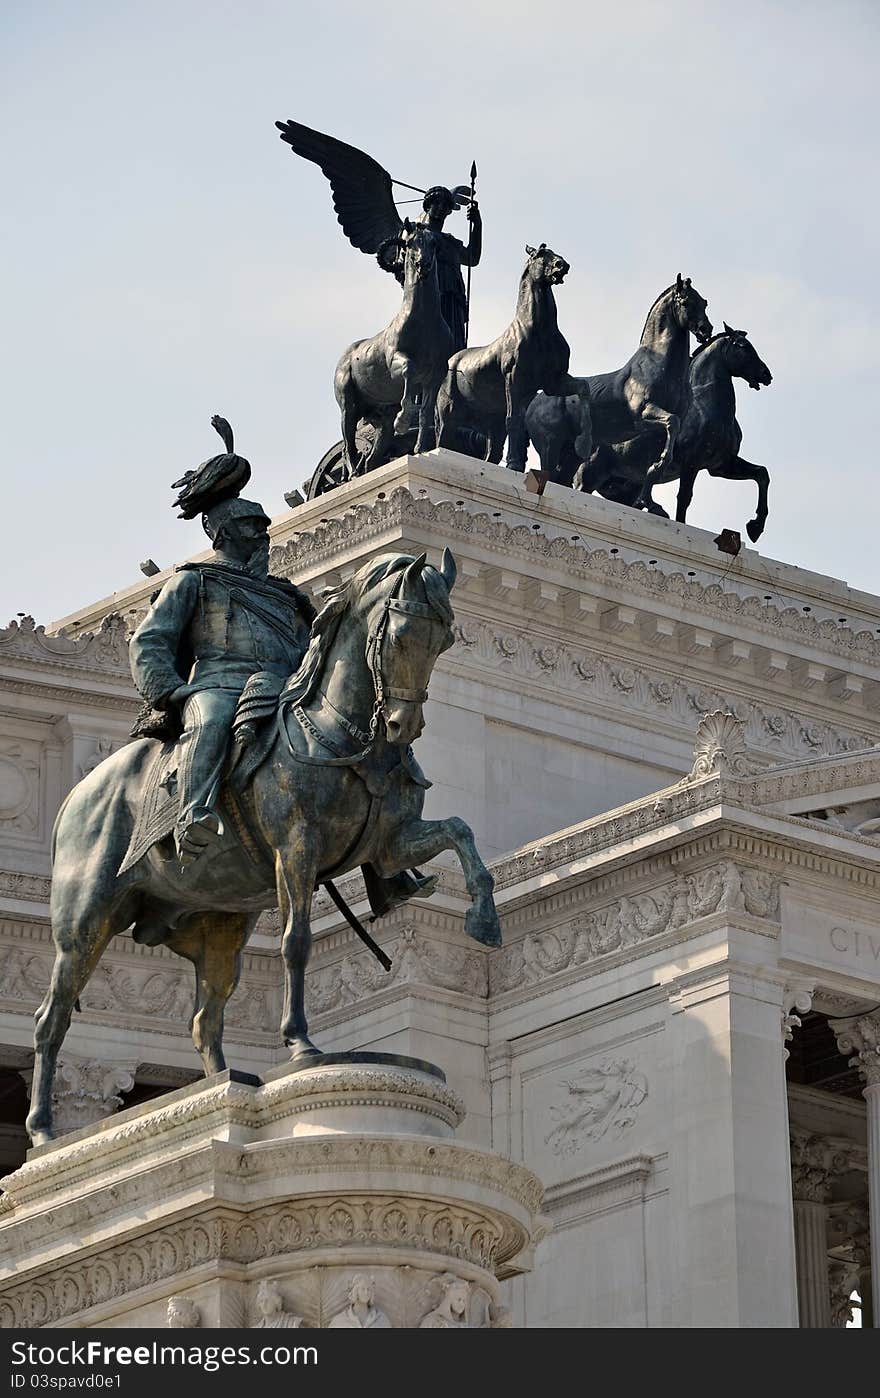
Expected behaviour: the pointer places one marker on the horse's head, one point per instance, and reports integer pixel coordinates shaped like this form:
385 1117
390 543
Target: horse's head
743 360
545 266
689 308
418 244
409 623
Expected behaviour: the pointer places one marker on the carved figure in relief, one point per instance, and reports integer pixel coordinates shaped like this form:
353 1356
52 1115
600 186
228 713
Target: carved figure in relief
599 1100
321 780
361 1313
182 1314
451 1312
270 1304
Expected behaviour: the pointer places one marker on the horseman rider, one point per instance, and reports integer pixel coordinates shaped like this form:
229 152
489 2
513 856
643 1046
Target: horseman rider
212 627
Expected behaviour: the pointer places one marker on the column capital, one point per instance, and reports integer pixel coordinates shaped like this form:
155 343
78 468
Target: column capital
797 1000
860 1036
816 1160
87 1090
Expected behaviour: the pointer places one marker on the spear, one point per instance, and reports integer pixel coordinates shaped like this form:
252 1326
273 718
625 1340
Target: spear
467 313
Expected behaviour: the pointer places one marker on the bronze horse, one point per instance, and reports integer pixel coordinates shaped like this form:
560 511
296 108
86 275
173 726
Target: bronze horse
337 787
709 437
397 373
647 393
489 387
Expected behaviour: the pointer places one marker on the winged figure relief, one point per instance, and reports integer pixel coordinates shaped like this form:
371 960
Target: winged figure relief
363 197
599 1100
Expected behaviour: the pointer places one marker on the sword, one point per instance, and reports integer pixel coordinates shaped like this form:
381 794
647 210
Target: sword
356 925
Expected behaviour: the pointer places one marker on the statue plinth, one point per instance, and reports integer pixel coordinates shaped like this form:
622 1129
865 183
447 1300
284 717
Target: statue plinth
330 1194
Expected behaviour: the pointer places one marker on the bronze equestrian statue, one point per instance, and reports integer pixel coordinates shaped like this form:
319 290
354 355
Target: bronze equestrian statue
186 846
397 373
709 438
646 393
489 387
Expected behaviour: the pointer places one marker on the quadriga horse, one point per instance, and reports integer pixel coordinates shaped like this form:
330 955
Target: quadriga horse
337 787
380 378
647 393
709 438
488 388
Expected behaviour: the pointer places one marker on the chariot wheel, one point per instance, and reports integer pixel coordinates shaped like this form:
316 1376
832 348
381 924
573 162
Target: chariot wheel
329 472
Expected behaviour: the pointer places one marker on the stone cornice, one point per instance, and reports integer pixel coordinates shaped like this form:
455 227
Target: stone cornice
366 525
587 678
103 652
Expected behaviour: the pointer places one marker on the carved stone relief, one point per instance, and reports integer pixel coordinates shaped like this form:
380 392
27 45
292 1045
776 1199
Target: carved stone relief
597 1102
416 961
726 887
105 649
361 523
19 786
589 675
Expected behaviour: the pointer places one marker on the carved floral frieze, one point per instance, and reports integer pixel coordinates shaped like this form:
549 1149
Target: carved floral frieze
633 919
584 674
415 961
105 649
361 523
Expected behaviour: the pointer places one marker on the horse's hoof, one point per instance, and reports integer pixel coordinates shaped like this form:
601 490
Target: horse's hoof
302 1048
41 1138
754 530
483 928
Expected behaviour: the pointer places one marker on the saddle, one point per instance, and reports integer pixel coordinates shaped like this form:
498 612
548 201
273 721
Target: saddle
261 709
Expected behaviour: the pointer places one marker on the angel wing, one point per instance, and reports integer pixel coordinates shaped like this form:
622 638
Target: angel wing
361 188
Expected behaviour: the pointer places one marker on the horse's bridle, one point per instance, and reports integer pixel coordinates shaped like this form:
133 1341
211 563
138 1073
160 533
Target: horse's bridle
375 641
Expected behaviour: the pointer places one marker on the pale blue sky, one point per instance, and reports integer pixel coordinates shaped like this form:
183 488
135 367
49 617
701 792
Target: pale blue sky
165 257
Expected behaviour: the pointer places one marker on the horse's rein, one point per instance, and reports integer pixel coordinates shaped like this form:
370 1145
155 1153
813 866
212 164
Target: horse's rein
375 641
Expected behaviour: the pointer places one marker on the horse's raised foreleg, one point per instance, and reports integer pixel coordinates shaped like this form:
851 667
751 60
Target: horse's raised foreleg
670 423
737 469
295 873
213 942
420 840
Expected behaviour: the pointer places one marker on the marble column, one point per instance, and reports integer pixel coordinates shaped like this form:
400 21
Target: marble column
815 1160
860 1037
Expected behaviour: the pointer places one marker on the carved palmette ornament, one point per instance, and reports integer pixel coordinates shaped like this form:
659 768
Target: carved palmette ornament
720 747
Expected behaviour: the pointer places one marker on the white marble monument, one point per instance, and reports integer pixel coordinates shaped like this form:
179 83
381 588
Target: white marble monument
668 756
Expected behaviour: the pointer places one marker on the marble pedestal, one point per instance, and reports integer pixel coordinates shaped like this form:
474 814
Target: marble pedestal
327 1195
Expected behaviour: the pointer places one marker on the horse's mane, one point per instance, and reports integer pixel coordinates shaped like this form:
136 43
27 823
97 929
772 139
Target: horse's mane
656 302
713 339
337 601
